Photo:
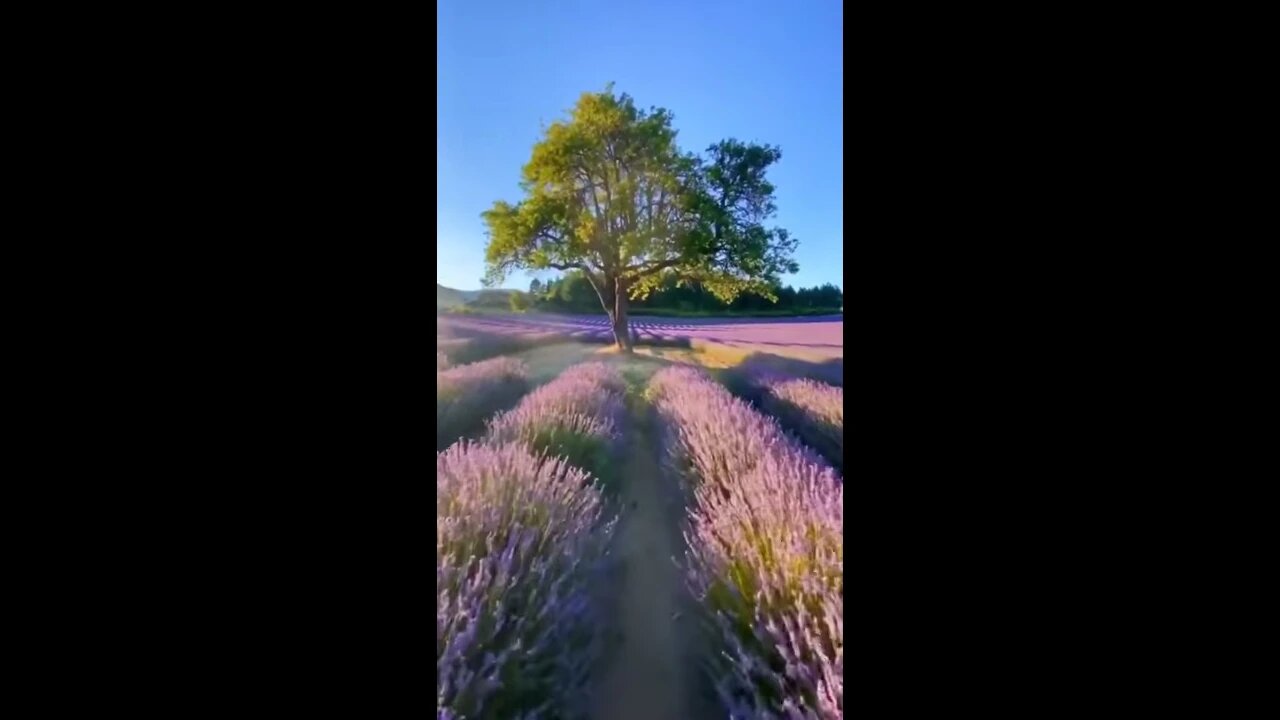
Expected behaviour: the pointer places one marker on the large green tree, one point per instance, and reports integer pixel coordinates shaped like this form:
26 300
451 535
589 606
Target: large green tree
607 192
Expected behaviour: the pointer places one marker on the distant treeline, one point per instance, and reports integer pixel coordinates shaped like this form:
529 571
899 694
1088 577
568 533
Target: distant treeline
573 294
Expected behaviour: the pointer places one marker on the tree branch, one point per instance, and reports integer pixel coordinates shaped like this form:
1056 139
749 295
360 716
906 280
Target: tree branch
651 268
601 289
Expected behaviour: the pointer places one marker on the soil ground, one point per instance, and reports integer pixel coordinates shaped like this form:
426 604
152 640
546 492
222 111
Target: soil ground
650 670
644 676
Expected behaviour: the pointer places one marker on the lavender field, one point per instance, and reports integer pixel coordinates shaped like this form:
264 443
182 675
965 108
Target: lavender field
656 535
819 335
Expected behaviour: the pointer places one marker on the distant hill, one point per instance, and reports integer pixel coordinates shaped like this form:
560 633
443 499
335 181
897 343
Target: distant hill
447 297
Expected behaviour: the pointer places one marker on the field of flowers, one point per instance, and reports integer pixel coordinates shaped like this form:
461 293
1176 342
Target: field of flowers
813 410
468 394
765 549
819 335
528 509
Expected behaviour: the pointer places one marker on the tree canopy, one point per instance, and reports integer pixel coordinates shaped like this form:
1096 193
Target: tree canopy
608 192
571 293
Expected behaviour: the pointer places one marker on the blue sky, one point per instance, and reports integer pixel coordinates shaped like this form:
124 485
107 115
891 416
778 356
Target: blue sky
763 72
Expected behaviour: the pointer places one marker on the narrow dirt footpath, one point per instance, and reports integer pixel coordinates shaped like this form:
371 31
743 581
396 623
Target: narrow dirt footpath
645 676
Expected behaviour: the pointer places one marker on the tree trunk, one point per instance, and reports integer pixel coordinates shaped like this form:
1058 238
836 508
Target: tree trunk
621 330
612 292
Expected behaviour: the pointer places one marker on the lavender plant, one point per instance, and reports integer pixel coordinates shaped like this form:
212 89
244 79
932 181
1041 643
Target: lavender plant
577 416
467 394
768 562
710 435
596 373
518 538
765 550
813 410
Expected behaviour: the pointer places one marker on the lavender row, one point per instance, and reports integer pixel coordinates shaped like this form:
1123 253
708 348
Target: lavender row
468 394
577 416
823 334
470 340
811 409
523 331
766 550
531 632
518 539
711 435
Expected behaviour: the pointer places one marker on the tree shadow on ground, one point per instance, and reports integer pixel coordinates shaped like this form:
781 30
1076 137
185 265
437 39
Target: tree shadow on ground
748 361
743 378
470 345
548 361
830 371
659 341
730 365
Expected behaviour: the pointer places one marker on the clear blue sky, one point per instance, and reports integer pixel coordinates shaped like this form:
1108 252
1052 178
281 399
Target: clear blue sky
764 72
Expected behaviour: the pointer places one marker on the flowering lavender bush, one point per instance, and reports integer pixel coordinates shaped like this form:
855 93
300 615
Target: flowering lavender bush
768 561
813 410
765 550
467 394
597 373
578 416
518 538
710 435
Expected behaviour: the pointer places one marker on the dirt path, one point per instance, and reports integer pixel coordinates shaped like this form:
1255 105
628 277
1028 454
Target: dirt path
645 678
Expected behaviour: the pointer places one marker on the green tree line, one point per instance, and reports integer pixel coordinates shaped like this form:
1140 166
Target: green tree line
573 293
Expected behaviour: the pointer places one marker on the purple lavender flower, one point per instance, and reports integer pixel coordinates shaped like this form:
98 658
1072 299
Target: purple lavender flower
467 394
814 410
518 538
577 416
712 436
766 549
596 373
